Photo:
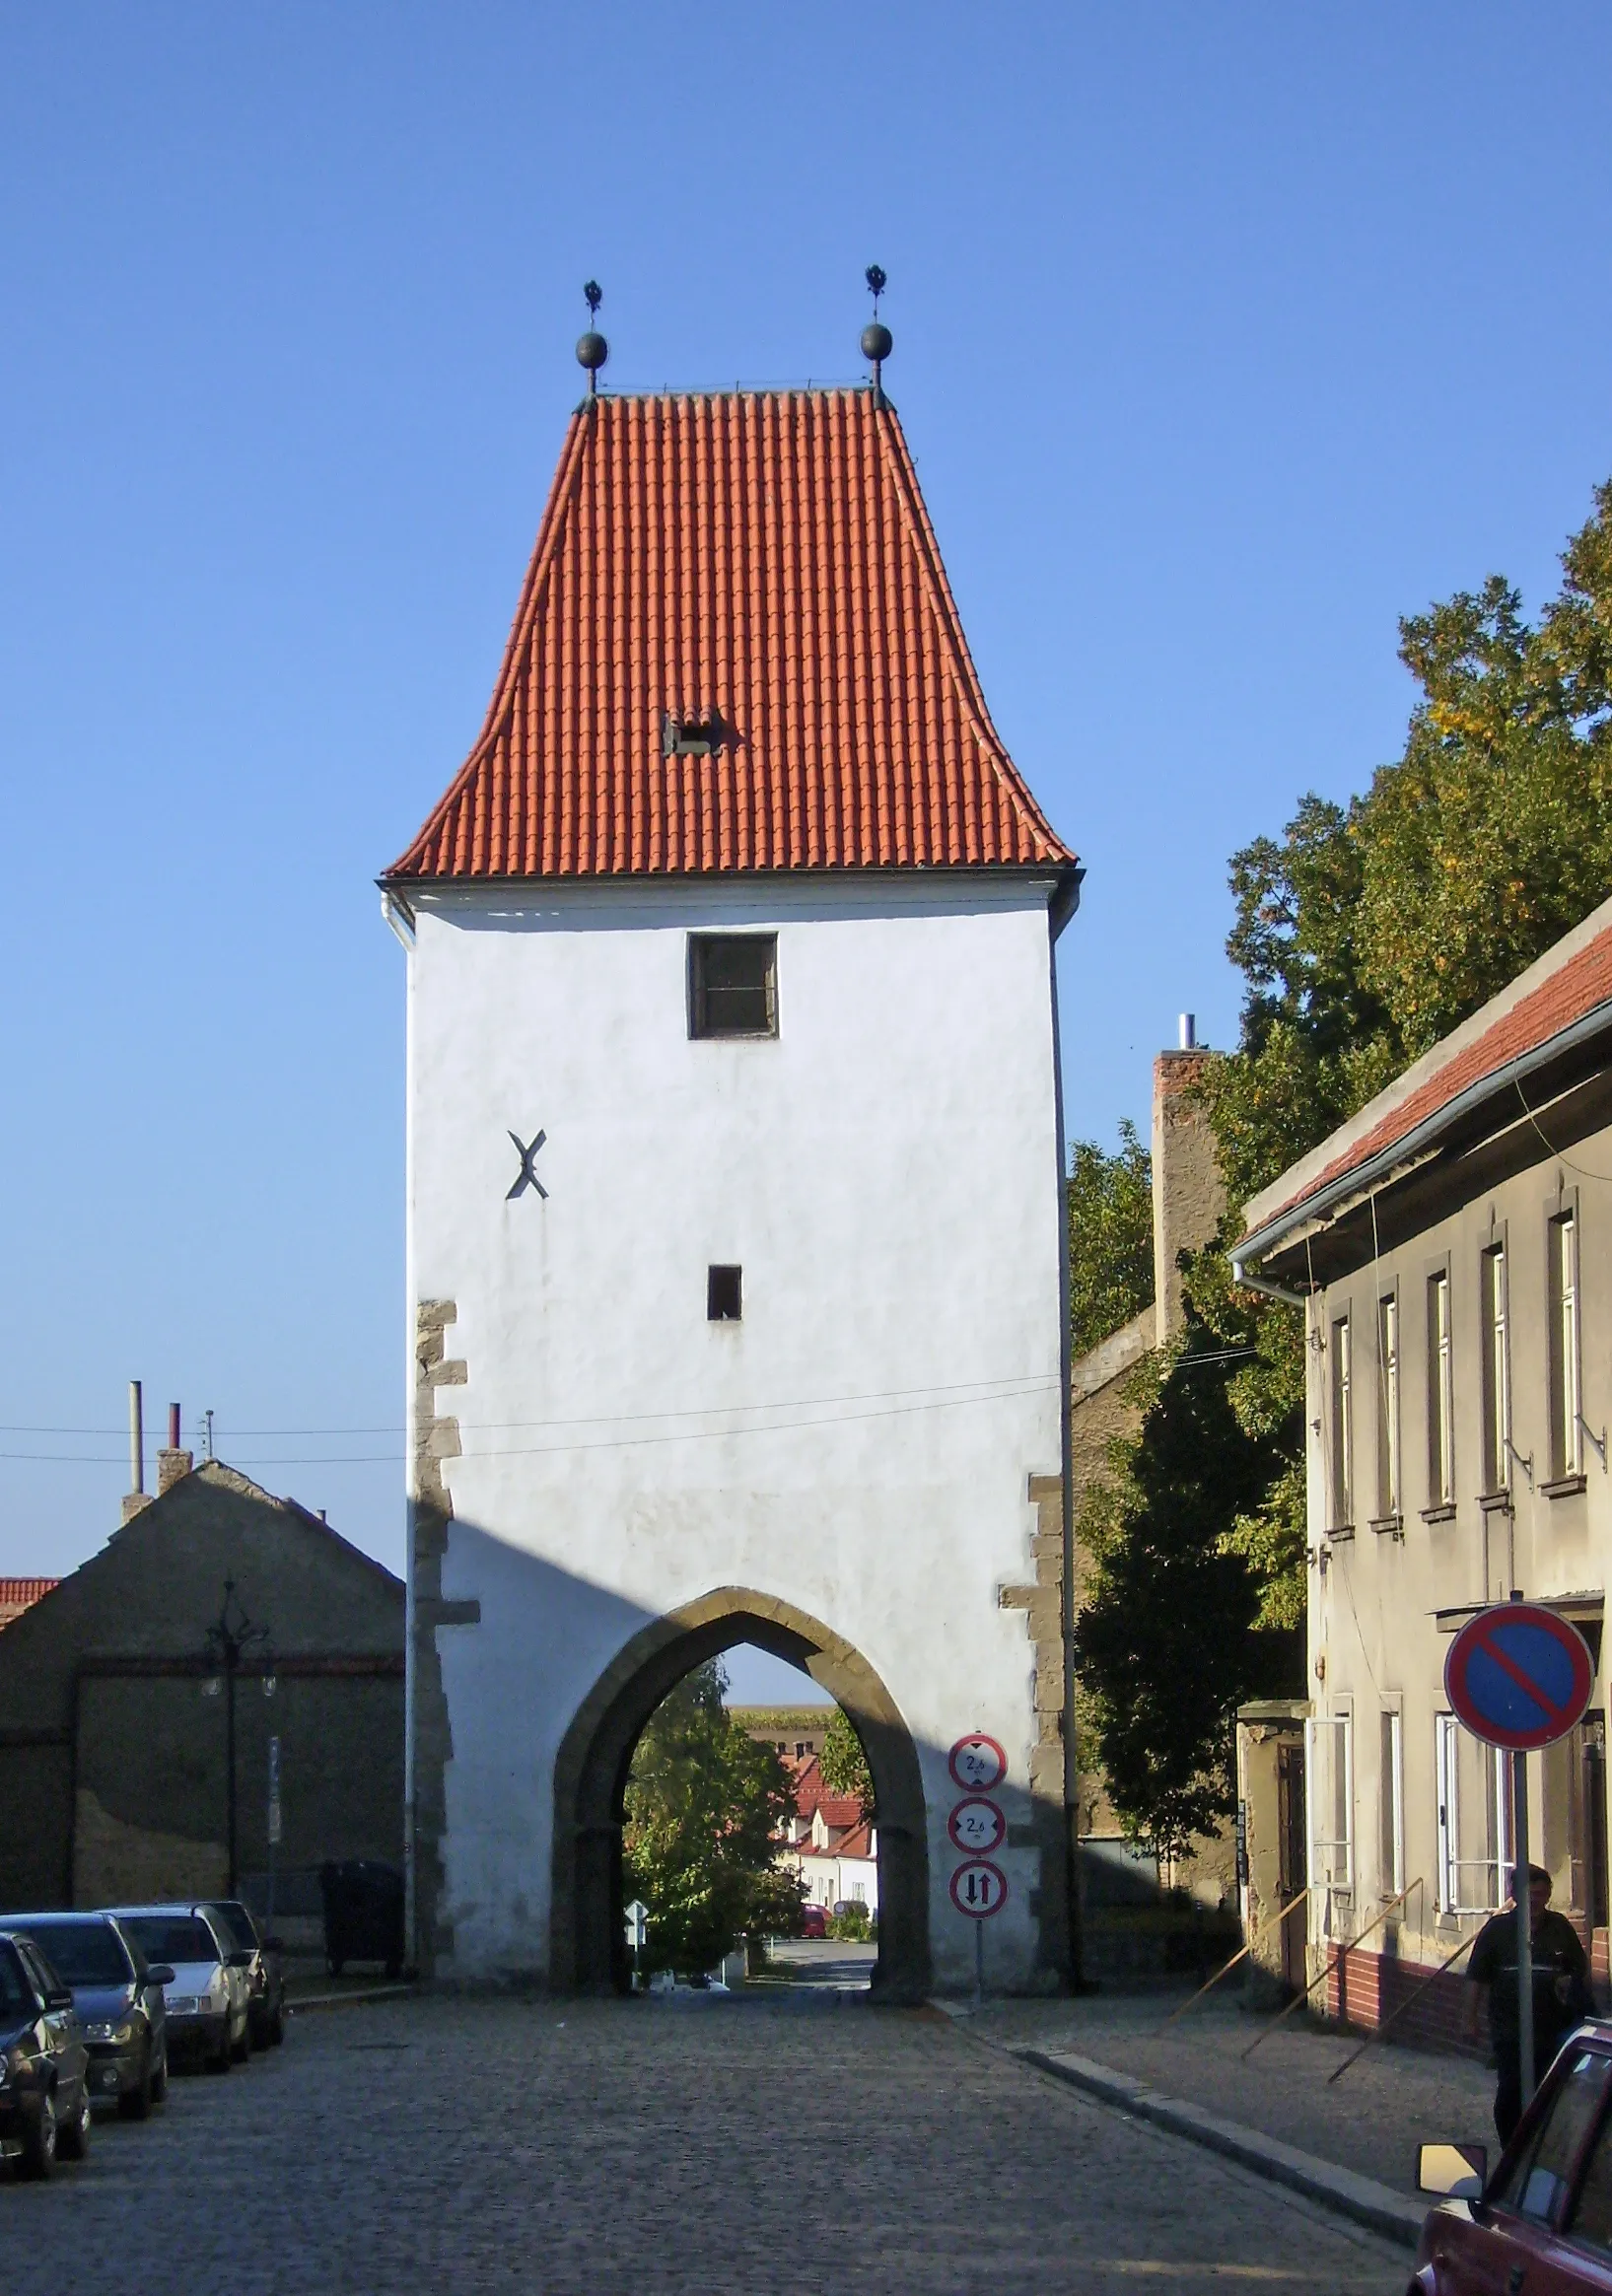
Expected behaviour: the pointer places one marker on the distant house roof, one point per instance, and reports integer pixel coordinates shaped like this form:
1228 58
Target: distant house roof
736 649
20 1594
1564 997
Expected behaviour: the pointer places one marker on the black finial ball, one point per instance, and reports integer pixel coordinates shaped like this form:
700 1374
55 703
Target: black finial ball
878 342
592 350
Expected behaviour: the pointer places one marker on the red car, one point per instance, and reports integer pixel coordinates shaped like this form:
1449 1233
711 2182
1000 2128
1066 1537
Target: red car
1542 2221
814 1922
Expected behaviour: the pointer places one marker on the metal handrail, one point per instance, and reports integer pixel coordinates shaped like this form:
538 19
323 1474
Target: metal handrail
1415 1994
1225 1966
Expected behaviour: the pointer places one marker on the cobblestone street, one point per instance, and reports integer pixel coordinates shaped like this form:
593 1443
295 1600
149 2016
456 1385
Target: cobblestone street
738 2146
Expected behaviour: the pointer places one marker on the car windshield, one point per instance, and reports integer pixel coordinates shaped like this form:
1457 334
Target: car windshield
83 1953
171 1937
16 1993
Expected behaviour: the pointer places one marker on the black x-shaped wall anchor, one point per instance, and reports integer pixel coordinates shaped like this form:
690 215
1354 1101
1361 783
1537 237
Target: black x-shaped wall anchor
527 1178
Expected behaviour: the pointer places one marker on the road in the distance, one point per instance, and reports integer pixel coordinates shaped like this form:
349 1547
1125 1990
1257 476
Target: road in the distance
734 2148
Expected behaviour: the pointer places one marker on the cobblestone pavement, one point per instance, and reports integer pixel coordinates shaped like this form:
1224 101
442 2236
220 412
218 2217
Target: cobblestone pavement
1372 2119
732 2147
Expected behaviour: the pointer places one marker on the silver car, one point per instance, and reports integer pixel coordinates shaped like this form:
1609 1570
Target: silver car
208 1999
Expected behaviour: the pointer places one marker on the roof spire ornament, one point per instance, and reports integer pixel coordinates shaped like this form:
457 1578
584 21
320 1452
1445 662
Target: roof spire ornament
878 342
592 348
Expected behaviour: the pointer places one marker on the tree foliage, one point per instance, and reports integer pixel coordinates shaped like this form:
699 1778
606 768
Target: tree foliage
1108 1201
1164 1642
843 1763
1364 934
703 1803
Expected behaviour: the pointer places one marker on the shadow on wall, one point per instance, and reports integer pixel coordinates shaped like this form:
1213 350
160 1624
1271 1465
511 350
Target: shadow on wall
549 1676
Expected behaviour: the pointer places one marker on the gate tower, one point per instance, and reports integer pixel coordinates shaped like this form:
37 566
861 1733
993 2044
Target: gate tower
734 1235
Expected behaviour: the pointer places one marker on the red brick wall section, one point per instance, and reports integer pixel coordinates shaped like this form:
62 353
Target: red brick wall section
1365 1989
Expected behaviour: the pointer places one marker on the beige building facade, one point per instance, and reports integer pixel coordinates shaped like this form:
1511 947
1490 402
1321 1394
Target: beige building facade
1452 1248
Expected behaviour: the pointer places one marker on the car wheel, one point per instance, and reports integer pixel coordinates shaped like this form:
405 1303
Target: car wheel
73 2136
39 2144
158 2078
135 2104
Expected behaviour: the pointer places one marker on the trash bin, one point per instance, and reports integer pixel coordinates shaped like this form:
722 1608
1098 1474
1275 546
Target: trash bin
363 1913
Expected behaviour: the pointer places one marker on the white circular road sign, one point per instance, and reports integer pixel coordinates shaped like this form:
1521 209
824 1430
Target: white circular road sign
978 1764
977 1827
979 1888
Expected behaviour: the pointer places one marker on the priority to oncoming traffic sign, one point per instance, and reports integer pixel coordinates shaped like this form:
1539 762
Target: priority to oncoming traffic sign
979 1888
1519 1676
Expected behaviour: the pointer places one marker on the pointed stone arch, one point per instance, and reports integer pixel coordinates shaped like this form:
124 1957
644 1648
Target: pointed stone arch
588 1947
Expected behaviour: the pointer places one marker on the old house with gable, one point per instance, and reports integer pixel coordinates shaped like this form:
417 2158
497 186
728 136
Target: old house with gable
1451 1249
734 1248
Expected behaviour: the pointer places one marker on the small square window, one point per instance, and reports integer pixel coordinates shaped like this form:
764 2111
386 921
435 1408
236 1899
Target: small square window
732 984
723 1295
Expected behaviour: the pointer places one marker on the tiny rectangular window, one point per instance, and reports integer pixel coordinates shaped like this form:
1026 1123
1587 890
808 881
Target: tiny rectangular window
1497 1374
732 984
1441 1396
1391 1807
723 1295
1343 1427
1566 1451
1387 1406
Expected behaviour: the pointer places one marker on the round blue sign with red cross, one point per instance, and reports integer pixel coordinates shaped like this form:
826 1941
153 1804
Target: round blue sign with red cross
1519 1676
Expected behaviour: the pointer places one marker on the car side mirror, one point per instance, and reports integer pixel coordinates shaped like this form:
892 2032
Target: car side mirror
159 1973
1452 2172
60 1998
272 1945
241 1960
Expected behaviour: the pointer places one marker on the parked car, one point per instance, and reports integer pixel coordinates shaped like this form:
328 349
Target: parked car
119 1996
45 2067
1543 2216
266 1971
814 1922
207 1999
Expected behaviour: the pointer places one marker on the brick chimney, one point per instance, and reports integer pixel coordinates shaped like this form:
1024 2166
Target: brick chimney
173 1464
1188 1195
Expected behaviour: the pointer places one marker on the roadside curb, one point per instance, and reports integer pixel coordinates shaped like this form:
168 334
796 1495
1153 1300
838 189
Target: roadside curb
344 2001
1377 2207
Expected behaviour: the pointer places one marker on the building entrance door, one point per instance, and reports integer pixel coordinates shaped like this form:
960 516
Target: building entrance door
1293 1858
1586 1824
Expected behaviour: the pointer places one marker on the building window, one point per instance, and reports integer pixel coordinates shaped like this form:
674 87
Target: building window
1497 1374
1330 1762
1391 1806
723 1295
732 984
858 1892
1343 1427
1473 1840
1567 1449
1388 1406
1441 1396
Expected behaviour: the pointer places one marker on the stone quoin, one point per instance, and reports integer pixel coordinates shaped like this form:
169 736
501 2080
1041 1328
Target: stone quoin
741 907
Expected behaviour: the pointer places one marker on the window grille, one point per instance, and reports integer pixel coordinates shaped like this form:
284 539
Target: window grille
732 984
1474 1838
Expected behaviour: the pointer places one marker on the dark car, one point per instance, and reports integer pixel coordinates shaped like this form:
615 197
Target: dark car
814 1922
1543 2218
266 1971
119 1996
45 2067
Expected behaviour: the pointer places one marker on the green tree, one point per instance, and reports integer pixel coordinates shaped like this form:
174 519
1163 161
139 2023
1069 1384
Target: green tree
1108 1202
843 1763
704 1801
1165 1642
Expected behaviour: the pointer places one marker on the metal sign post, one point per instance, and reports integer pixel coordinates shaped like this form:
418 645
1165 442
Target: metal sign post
978 1764
1519 1678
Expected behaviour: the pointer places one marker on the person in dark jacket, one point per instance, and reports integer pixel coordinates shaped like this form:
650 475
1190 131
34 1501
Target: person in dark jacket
1561 1992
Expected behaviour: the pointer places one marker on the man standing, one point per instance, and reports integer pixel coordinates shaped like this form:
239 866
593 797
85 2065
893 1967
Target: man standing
1561 1991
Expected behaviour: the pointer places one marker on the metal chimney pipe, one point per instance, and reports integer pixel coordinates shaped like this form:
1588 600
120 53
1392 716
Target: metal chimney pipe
1189 1032
173 1426
137 1438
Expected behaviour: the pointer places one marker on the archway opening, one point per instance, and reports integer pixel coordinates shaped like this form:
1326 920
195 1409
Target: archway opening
588 1946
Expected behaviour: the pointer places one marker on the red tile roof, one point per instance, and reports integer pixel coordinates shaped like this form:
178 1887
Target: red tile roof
20 1594
1566 989
764 558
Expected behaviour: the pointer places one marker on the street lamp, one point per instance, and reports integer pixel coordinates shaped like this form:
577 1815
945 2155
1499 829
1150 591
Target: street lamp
229 1640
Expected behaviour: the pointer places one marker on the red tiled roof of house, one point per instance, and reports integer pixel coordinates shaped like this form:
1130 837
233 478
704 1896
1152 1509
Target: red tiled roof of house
840 1810
20 1594
760 558
1563 987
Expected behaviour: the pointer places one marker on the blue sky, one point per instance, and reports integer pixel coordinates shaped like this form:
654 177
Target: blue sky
1224 336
